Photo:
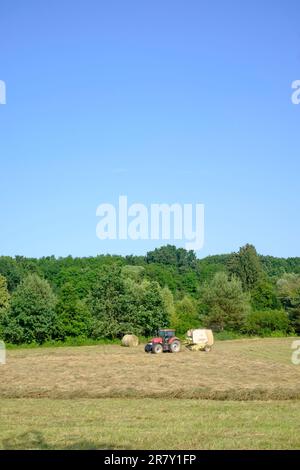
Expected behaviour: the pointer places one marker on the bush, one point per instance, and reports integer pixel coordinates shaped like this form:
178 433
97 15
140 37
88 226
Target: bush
266 322
227 335
186 315
289 293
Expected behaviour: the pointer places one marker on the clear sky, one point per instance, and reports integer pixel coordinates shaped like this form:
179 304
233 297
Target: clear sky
164 101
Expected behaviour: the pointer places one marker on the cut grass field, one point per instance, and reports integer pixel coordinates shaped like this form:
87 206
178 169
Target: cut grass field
236 370
244 394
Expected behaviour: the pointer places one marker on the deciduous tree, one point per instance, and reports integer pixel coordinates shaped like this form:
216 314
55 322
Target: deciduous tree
225 304
32 316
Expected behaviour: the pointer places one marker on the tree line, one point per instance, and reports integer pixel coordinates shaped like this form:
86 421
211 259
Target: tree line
108 296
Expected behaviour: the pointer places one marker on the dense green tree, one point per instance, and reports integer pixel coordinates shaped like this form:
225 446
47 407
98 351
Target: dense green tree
289 293
106 299
32 316
225 305
146 306
264 296
122 306
247 266
137 294
189 283
166 276
73 314
168 303
11 271
4 302
4 295
133 272
273 267
277 267
170 255
209 266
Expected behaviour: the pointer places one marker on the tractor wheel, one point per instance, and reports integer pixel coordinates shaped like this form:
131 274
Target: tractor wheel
157 348
148 348
175 346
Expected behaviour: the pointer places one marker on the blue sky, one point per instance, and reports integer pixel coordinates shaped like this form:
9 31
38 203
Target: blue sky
164 101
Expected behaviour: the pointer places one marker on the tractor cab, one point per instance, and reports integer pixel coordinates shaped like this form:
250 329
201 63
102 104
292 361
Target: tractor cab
166 334
165 341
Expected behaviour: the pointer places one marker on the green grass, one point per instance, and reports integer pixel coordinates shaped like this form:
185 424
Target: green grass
60 344
148 424
228 335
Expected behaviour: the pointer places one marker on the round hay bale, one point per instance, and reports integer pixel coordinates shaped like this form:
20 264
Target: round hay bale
130 341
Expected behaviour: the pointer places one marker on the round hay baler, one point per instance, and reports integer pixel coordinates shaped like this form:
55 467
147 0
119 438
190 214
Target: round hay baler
199 340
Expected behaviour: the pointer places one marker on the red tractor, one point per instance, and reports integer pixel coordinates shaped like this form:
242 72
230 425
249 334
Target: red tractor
166 341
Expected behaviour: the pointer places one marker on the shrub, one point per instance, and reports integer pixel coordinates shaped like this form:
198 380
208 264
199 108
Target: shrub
186 315
265 322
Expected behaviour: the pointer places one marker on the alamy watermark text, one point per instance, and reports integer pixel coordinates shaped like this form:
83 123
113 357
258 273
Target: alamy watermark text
2 92
183 222
296 94
296 352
